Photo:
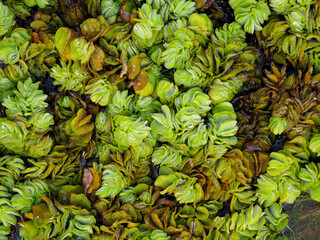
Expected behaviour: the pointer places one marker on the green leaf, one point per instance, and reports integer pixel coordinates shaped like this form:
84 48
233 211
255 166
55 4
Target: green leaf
113 182
100 90
130 131
278 124
315 144
6 19
9 50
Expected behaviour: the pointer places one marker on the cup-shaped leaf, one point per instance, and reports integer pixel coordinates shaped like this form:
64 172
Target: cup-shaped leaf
165 124
62 39
278 124
90 28
200 22
113 182
315 144
109 8
166 91
81 50
196 98
6 19
9 50
100 90
130 131
167 156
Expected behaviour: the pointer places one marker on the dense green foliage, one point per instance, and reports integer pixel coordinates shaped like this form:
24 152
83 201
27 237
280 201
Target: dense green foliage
157 119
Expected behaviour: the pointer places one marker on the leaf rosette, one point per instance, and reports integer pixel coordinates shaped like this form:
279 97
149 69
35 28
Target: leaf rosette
148 26
165 124
178 49
6 19
185 189
101 91
130 131
250 13
113 182
69 75
27 101
196 98
166 91
121 104
77 131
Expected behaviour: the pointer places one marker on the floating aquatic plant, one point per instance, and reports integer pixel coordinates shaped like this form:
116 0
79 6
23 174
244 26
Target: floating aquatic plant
157 119
7 19
250 14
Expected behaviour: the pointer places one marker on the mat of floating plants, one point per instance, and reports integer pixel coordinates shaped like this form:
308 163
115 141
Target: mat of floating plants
157 119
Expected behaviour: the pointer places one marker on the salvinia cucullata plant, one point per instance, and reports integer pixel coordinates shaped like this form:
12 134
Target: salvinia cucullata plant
157 119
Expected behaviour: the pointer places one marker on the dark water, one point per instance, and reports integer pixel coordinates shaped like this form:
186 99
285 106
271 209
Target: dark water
26 23
15 233
227 10
225 210
304 217
49 87
154 171
278 144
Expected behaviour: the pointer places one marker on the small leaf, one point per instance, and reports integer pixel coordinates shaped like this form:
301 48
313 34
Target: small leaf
87 180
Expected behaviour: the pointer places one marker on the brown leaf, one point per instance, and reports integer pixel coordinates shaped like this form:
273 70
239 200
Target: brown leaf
87 180
90 28
97 59
41 211
134 66
124 60
91 180
141 81
35 37
157 222
126 11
